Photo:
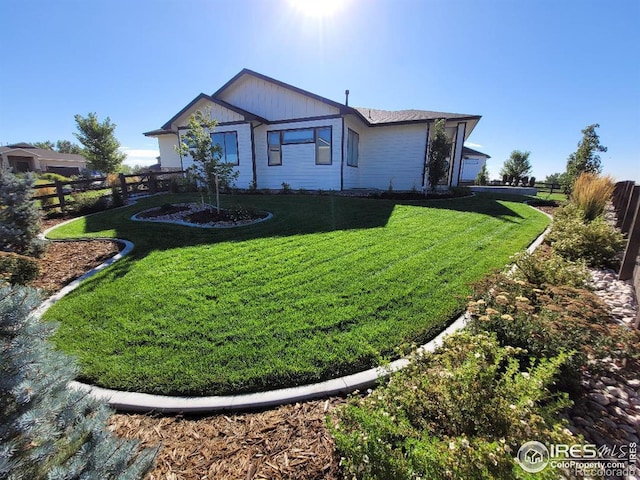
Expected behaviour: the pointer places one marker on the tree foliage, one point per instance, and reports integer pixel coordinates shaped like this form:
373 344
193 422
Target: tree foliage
517 165
585 159
483 175
61 146
48 430
207 168
100 144
19 215
439 151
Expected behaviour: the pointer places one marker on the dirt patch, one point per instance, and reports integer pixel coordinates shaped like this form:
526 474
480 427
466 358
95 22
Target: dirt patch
66 261
290 442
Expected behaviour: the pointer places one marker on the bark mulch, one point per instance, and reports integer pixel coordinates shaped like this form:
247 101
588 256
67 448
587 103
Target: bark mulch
65 261
288 442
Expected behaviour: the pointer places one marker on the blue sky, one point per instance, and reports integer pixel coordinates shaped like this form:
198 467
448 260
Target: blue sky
537 71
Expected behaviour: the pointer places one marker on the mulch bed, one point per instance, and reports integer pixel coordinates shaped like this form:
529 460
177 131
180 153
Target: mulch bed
290 442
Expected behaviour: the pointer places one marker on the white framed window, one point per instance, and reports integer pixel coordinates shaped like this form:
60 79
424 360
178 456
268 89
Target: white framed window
228 142
320 136
274 148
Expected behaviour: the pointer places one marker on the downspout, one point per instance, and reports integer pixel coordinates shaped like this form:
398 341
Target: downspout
253 155
342 156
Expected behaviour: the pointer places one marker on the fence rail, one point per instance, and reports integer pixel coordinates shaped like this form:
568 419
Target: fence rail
626 202
126 185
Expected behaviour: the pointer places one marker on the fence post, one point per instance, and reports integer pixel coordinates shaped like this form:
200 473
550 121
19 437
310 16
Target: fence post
152 183
624 203
60 192
632 207
618 191
633 245
123 187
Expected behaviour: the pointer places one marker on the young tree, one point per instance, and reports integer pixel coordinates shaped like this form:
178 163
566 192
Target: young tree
517 165
19 216
100 144
483 175
586 158
439 150
207 166
48 430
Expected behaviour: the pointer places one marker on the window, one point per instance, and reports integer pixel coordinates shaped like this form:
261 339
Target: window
298 136
353 140
228 142
323 146
320 136
274 150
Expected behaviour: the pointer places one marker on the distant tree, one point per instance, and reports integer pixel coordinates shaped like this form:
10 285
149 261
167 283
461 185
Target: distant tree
100 144
553 178
483 175
47 429
585 159
517 165
65 146
439 150
47 145
19 215
207 167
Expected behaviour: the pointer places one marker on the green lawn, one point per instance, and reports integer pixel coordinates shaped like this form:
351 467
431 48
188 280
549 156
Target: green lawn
325 288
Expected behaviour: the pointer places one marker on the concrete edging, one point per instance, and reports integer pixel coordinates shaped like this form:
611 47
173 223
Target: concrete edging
144 402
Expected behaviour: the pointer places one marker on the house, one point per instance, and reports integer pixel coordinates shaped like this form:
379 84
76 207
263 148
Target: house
472 163
278 134
23 157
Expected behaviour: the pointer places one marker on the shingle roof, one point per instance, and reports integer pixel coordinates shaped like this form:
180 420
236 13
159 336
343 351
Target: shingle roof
379 117
471 151
43 152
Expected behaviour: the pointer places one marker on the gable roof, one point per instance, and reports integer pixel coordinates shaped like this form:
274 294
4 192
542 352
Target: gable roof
217 101
471 151
42 152
374 116
370 116
246 71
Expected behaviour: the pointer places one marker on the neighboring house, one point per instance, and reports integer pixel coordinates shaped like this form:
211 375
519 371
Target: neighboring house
472 163
22 157
277 133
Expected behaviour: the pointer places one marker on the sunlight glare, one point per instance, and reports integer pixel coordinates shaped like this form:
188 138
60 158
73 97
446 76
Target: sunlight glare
318 8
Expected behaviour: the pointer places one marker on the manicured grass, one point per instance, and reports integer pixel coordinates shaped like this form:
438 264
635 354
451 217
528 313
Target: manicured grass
325 288
560 197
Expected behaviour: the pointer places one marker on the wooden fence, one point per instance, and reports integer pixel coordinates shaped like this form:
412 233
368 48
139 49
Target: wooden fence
626 202
126 185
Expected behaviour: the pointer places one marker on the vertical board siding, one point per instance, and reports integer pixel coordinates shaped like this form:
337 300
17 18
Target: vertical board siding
272 101
218 113
298 168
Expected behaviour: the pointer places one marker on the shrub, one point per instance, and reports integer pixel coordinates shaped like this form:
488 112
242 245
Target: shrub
532 181
85 203
55 176
597 242
47 429
286 188
461 412
546 321
547 267
46 202
19 216
113 180
18 269
591 193
116 197
460 191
